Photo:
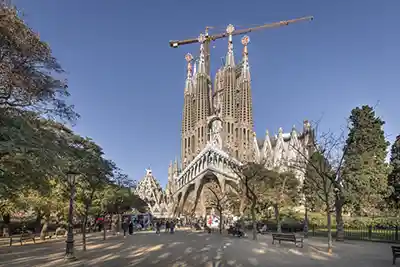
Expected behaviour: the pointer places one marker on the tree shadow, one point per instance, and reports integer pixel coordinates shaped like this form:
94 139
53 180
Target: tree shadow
185 249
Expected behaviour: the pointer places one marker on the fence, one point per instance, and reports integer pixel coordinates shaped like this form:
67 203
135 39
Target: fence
369 233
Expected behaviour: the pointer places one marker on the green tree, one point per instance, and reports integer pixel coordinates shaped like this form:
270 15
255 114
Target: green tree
95 174
252 187
319 185
394 176
281 189
221 200
29 74
365 171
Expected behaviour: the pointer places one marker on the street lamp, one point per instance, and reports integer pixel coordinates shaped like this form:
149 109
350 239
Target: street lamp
69 250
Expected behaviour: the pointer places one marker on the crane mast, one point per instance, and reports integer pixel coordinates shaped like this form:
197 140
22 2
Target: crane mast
209 38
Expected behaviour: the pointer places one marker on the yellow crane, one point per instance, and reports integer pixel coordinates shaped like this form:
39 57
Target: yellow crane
209 38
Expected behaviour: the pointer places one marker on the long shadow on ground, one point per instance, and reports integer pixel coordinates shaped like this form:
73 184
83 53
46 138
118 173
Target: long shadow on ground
193 249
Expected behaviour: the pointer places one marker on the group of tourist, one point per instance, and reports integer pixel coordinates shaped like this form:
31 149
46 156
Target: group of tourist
127 226
169 226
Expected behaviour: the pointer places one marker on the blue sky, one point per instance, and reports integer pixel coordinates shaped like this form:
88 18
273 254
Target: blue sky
127 83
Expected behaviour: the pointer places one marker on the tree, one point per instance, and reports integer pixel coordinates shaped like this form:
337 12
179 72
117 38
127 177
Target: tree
96 173
252 187
281 189
28 71
319 184
118 198
364 169
394 176
219 199
32 153
331 151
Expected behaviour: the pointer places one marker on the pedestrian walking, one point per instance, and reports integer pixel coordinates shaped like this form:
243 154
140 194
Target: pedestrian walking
158 226
130 227
125 225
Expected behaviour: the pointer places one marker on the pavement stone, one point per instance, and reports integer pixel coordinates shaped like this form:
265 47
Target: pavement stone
196 248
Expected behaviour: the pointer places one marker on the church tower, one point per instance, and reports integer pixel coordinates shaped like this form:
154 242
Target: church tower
233 97
202 100
245 125
197 107
187 140
229 97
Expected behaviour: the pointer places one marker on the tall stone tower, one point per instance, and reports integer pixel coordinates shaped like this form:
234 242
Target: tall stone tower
230 101
196 107
233 102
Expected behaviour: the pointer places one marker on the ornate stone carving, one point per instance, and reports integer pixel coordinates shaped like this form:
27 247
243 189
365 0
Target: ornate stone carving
216 139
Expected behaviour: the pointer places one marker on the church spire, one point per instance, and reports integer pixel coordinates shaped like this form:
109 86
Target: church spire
202 66
188 83
246 70
230 59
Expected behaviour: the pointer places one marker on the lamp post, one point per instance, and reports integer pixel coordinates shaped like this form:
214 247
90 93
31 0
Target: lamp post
69 250
305 227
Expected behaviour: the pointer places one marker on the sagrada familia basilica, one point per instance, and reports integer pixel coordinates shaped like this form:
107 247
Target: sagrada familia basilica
217 133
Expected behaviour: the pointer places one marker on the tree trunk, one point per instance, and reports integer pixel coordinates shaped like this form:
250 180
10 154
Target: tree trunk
46 220
85 216
38 222
278 221
84 233
104 229
253 218
220 221
119 224
44 228
328 218
305 228
6 220
339 219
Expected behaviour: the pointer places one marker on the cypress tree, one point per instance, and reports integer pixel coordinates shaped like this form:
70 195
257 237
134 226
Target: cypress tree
394 176
365 171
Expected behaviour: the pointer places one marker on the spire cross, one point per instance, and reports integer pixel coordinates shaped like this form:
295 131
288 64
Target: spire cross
189 58
229 30
245 42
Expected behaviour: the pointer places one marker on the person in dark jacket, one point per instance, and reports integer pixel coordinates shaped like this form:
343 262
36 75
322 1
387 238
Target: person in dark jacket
167 225
158 226
125 225
130 227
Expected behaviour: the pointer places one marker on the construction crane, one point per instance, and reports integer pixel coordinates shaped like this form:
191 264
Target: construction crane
209 38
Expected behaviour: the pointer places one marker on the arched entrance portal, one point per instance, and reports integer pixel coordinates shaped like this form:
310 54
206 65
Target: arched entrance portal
192 200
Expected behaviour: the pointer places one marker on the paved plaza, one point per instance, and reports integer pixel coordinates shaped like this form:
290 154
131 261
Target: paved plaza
186 248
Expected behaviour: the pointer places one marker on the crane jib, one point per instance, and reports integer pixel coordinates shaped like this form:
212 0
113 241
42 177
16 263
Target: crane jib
214 37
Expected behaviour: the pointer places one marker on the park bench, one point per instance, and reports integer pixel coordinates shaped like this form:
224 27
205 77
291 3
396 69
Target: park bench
261 232
396 253
287 237
22 237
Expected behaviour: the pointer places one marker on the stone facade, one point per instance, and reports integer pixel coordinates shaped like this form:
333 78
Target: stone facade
217 132
151 192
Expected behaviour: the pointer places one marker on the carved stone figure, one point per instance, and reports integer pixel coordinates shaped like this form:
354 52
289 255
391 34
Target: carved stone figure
216 139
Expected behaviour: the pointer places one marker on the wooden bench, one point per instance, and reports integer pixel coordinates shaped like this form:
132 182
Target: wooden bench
22 237
287 237
396 253
262 232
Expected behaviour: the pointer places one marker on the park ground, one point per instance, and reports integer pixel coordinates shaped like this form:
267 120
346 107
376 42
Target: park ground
188 248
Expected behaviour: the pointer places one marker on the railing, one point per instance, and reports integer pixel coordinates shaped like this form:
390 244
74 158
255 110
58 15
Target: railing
369 233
